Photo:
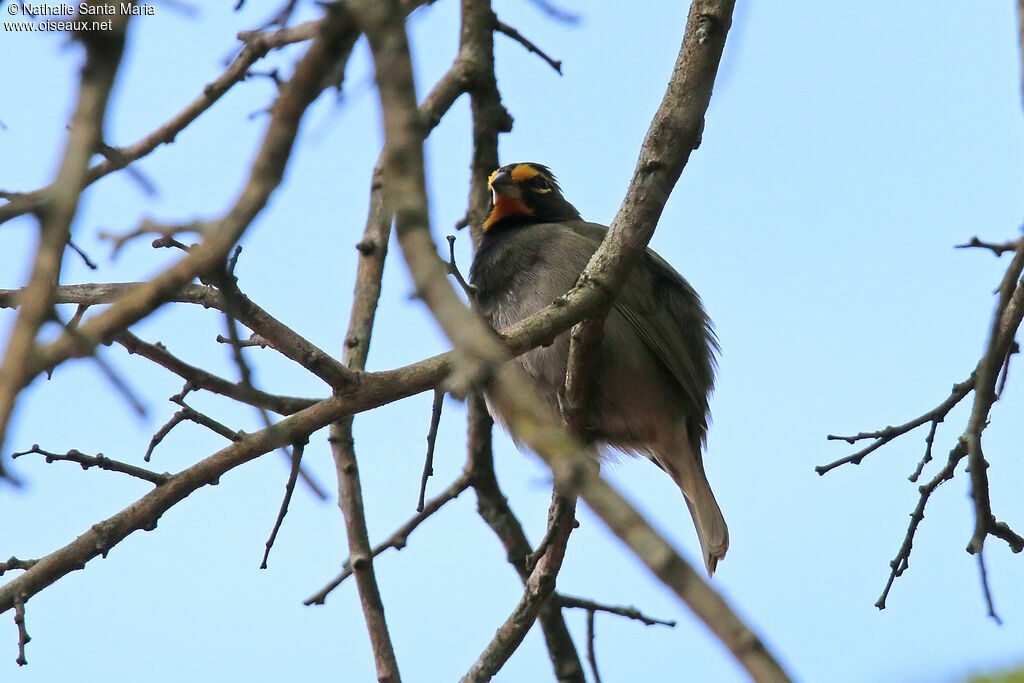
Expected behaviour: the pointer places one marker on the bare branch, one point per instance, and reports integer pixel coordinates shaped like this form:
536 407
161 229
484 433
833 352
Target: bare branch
189 414
495 511
399 538
289 489
103 49
515 35
23 636
884 436
257 45
539 587
14 563
997 249
628 612
99 461
591 654
265 175
150 227
675 131
428 463
198 378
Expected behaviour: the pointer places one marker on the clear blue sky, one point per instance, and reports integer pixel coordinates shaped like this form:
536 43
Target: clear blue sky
848 147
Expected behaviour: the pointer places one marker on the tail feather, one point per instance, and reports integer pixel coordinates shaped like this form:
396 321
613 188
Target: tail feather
687 470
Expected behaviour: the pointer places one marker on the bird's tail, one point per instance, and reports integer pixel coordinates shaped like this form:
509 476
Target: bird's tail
687 469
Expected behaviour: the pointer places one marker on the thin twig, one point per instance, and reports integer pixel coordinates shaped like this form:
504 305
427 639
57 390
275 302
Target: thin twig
996 248
23 636
81 253
289 489
884 436
515 35
591 654
14 563
454 271
627 612
428 463
399 538
98 461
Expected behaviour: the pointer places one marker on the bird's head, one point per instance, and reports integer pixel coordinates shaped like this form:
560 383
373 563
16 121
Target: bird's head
526 193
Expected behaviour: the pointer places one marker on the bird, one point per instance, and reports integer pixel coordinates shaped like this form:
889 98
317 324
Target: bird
656 363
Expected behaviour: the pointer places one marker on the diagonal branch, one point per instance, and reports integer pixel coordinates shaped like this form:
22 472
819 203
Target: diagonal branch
103 50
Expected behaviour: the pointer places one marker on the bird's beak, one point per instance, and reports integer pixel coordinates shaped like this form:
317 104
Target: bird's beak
503 185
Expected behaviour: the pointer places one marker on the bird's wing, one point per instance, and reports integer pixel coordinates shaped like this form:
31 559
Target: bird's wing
667 315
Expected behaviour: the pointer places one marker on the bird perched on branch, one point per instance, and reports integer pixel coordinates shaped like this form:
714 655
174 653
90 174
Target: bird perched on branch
655 365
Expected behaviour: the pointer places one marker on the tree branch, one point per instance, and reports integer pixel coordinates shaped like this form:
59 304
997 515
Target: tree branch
103 50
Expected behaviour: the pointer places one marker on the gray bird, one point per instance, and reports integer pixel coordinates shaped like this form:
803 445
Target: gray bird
655 367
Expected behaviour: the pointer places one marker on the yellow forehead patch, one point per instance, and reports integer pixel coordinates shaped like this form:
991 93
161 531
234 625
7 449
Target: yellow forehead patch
524 172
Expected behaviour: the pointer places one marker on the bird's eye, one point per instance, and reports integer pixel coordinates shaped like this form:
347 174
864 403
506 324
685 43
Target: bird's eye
542 184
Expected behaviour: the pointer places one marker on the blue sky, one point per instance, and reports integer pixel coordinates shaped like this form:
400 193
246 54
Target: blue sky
848 147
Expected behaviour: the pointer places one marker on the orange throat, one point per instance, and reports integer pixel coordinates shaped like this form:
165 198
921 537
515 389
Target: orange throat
505 207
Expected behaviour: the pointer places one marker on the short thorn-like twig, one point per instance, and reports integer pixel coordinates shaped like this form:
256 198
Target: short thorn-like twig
253 340
99 461
997 249
453 269
15 563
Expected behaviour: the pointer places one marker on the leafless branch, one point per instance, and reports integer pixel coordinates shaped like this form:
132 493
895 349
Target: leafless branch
23 636
539 587
494 509
884 436
189 414
103 49
14 563
591 653
1005 322
198 378
556 12
399 538
81 253
997 249
627 612
289 489
150 227
253 340
515 35
257 45
98 461
428 463
673 134
453 268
